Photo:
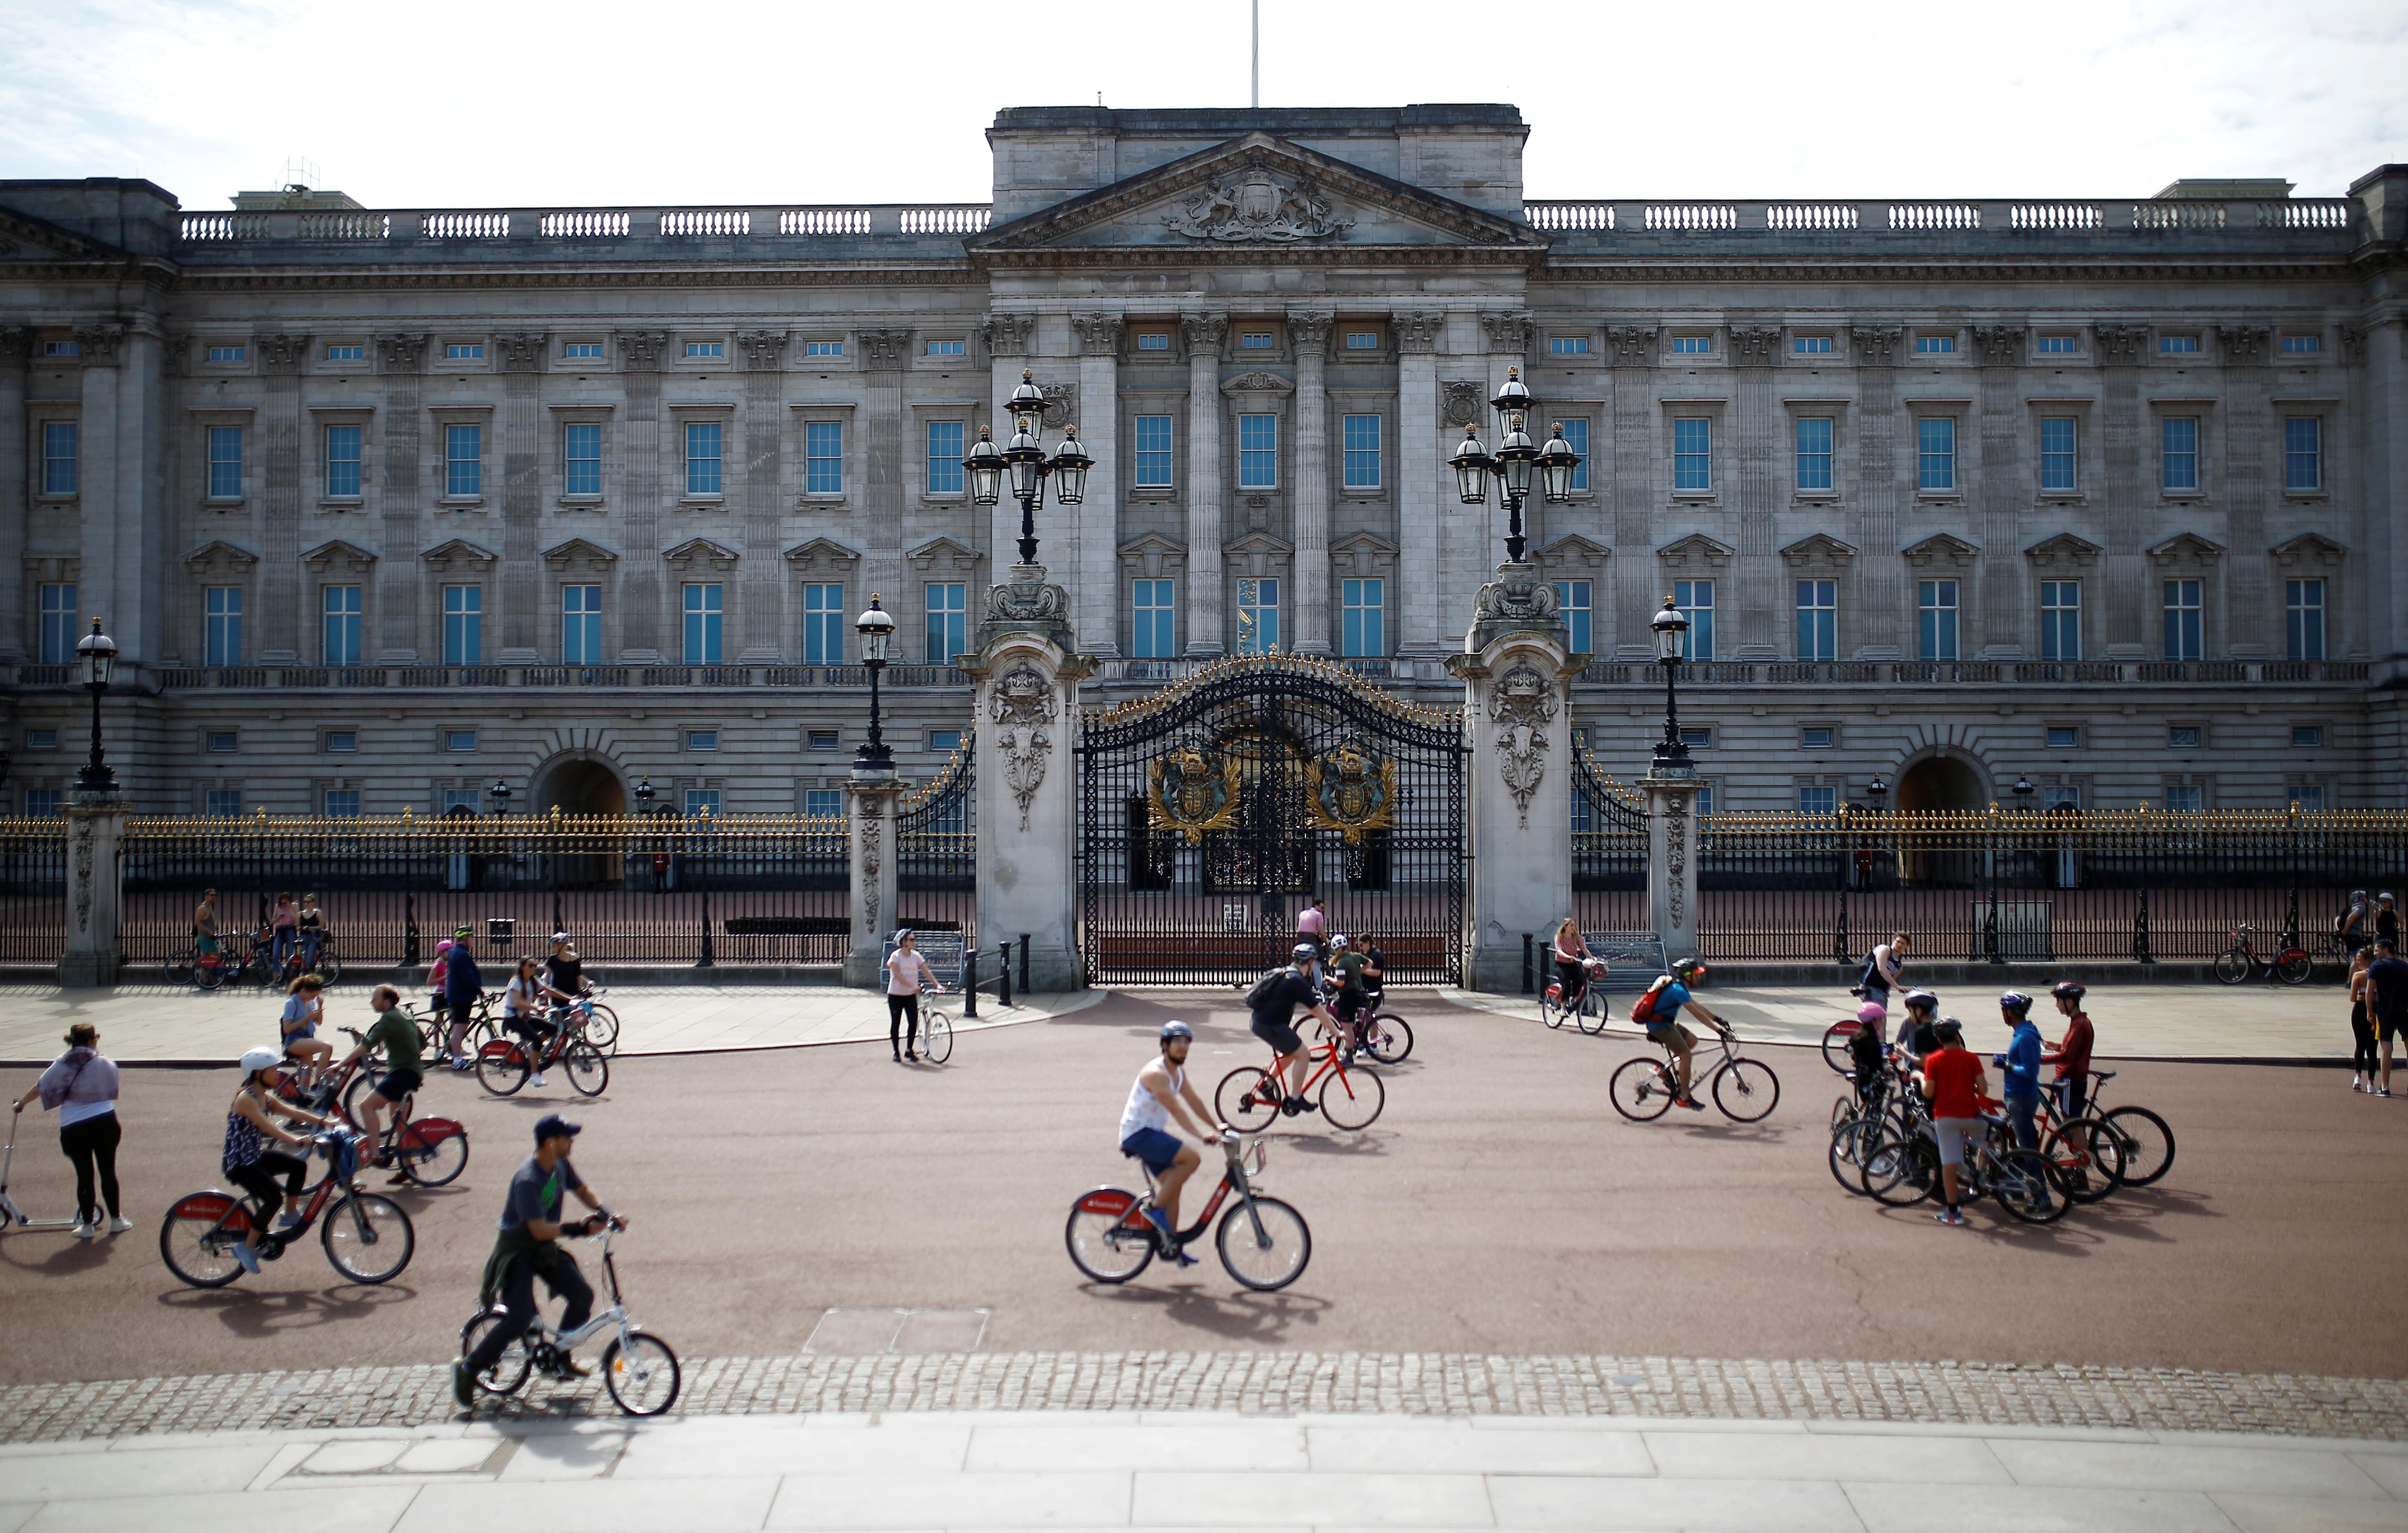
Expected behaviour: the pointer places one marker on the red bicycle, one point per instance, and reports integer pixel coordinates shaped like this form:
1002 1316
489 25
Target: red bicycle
369 1237
1264 1243
2241 961
1253 1099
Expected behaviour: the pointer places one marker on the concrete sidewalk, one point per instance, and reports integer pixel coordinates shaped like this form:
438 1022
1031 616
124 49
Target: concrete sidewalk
164 1024
2241 1023
1098 1469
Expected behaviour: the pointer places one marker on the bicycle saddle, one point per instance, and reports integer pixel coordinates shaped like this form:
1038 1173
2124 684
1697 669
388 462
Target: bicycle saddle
2102 1075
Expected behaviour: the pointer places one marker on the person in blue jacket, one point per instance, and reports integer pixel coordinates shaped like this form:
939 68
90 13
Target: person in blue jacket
462 983
2021 1064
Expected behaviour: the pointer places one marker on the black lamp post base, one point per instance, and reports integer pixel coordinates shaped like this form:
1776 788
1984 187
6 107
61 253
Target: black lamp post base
873 760
1671 759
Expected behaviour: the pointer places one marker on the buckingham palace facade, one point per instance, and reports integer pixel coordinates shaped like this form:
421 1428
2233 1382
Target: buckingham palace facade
384 505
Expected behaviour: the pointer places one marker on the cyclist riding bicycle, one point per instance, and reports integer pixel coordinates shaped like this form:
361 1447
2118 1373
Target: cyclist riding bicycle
247 1161
1273 1002
1659 1011
1346 966
1573 962
523 1011
527 1245
394 1033
1161 1093
304 1008
564 972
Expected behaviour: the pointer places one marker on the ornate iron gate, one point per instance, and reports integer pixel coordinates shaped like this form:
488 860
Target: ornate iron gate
1212 810
1608 848
936 846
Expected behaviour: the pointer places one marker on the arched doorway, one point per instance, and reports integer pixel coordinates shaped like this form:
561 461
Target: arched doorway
580 786
582 858
1939 785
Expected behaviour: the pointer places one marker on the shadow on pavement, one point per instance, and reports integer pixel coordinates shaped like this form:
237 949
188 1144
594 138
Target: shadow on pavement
1236 1317
262 1315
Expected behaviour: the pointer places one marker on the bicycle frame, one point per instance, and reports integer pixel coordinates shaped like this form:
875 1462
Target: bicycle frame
1130 1207
613 1316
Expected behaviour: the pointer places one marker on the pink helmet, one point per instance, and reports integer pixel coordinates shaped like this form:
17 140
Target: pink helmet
1872 1012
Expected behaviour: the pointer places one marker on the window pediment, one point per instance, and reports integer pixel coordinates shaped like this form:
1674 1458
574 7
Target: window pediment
1695 551
339 555
717 557
1942 552
2188 550
218 554
823 554
1151 556
2309 549
1818 550
2065 550
579 555
944 556
457 551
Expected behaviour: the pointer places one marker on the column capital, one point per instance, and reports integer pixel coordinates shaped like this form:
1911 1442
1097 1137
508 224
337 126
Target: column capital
1998 345
1876 344
522 350
1755 345
2120 342
401 352
2243 343
17 345
1509 334
1417 331
884 347
1099 335
1308 331
1204 334
640 351
1631 345
761 349
100 343
1008 334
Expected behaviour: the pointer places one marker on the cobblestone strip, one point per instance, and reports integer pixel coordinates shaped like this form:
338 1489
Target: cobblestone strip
1273 1383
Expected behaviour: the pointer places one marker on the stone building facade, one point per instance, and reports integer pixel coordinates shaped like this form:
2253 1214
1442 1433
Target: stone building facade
384 505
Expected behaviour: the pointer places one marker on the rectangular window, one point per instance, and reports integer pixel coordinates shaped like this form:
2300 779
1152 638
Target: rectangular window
1818 736
582 454
948 617
42 803
703 617
944 741
1813 452
1576 438
1257 451
821 739
1811 345
1935 443
41 740
1818 620
2308 733
2303 613
222 803
60 459
706 348
1818 800
946 348
1154 617
2183 737
227 353
1364 604
1258 616
2186 798
822 348
1573 597
1153 340
2177 345
1153 447
824 803
62 348
347 353
342 741
2184 628
342 803
1568 346
459 739
2059 346
59 635
223 642
339 614
580 624
464 624
1696 601
1697 740
2310 797
1361 436
342 460
2060 620
456 799
2178 453
944 457
1934 344
224 741
1257 340
463 460
1705 801
582 351
704 440
702 801
2056 439
1935 604
702 739
2301 345
824 458
1692 346
2303 454
2064 738
823 624
226 462
472 351
1693 453
1368 341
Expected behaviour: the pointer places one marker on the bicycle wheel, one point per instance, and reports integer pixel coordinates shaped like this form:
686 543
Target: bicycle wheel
937 1037
1898 1172
208 976
178 967
2146 1143
367 1236
602 1029
1549 1013
589 1073
501 1067
642 1376
197 1238
432 1159
2028 1188
1108 1240
1746 1089
2088 1158
1591 1018
2231 967
1836 1039
1388 1040
1265 1244
509 1373
1351 1099
2294 966
1641 1090
1845 1156
330 965
1247 1100
360 1086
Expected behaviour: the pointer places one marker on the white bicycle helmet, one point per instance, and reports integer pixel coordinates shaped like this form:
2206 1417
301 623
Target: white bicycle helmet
260 1057
1337 943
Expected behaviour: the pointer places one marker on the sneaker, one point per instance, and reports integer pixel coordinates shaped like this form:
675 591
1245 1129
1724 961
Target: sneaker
1161 1223
247 1256
1295 1105
84 1229
1948 1216
536 1080
119 1224
464 1383
2357 1085
1179 1257
2383 1091
287 1221
1691 1103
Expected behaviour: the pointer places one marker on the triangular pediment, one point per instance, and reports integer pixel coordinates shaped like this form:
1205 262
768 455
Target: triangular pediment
717 555
1816 548
458 548
217 551
819 549
2065 547
1368 541
1253 194
1696 548
1259 542
2309 548
337 551
1942 549
25 237
2186 545
581 552
1152 542
947 552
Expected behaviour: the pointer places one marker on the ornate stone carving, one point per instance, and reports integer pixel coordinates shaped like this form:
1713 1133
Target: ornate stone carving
282 353
1464 401
2308 548
1755 345
1418 332
1255 205
1876 344
1308 331
1517 594
1695 553
1099 335
868 825
100 343
2242 343
83 861
179 355
2120 342
1027 602
884 347
1520 709
458 550
402 352
2187 549
1998 345
521 350
1204 332
1631 345
640 351
17 344
718 557
2353 344
338 556
1022 706
1818 552
1258 383
1676 856
761 349
1194 791
1942 552
582 555
1061 403
1007 335
1509 334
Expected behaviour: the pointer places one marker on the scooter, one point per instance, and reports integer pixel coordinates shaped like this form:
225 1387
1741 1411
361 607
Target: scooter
10 1214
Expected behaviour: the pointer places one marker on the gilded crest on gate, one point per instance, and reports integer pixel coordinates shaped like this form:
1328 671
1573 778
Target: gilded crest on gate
1353 792
1189 793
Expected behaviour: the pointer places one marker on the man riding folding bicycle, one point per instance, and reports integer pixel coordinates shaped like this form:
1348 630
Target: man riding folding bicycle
527 1245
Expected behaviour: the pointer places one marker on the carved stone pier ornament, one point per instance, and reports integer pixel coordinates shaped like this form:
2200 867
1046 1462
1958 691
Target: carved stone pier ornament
1255 205
1022 706
1026 600
1521 708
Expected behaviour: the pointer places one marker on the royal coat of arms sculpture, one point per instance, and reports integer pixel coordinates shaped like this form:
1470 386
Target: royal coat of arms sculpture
1192 790
1353 793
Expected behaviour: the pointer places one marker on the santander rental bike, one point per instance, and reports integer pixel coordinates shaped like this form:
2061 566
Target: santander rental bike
1264 1243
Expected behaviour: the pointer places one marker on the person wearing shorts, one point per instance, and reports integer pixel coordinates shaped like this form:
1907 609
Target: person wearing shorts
405 1070
1273 1021
2386 980
1954 1084
1161 1093
1662 1005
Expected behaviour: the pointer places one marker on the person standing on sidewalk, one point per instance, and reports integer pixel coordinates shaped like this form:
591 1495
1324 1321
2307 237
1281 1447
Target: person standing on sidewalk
463 984
283 932
2361 1021
908 976
1884 968
2388 981
205 926
2387 920
82 1084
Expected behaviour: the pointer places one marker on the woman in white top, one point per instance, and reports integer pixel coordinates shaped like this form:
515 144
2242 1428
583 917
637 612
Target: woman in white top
522 1010
908 976
82 1084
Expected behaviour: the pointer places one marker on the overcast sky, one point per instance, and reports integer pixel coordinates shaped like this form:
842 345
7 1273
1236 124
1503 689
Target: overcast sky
448 103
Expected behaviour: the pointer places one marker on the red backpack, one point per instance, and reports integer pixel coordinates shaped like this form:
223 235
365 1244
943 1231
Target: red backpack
1642 1012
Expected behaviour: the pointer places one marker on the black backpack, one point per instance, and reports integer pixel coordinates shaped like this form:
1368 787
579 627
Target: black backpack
1260 995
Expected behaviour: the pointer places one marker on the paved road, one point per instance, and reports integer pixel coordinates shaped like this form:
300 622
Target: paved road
1500 1205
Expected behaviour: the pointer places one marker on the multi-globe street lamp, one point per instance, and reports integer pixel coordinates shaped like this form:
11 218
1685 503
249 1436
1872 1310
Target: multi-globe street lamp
1512 462
876 627
98 653
1027 464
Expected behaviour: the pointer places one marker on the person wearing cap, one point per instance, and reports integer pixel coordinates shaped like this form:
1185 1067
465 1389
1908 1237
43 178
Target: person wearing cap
1274 1022
1161 1093
527 1245
2020 1067
81 1083
463 984
1953 1083
908 977
2072 1055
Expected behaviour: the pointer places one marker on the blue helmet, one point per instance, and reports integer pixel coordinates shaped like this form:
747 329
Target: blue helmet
2015 1001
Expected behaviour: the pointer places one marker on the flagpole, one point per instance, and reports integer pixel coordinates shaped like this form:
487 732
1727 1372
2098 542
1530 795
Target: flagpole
1259 52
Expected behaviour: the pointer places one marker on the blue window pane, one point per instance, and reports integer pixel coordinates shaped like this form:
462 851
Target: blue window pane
1153 620
2175 344
464 624
2056 346
1936 614
1692 345
1815 452
59 457
946 348
822 348
582 351
703 442
582 445
2183 626
2303 603
1935 437
223 642
1818 620
347 353
342 803
1573 597
948 615
1152 447
1693 442
580 624
1153 340
463 460
1361 436
342 460
2060 620
2300 345
2057 438
2304 452
1363 604
340 625
1812 345
1257 451
225 461
2178 438
1818 800
825 623
1695 600
59 636
824 458
1934 344
1258 625
945 457
702 624
1576 438
1568 346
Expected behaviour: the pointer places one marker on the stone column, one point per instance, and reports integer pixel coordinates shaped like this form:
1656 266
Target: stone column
93 822
279 432
1424 483
871 802
2008 602
1208 597
2122 425
1881 581
1025 676
1637 580
883 427
521 577
1672 862
764 591
1096 610
106 540
2253 620
1309 332
15 347
1516 674
639 589
1756 574
2379 356
400 593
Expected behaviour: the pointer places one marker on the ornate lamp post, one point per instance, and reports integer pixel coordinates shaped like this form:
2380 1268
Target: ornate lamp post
500 793
876 627
98 654
1513 463
644 791
1027 464
1875 790
1671 627
2023 790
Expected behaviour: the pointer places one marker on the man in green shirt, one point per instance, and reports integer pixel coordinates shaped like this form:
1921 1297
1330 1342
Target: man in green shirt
397 1036
1348 962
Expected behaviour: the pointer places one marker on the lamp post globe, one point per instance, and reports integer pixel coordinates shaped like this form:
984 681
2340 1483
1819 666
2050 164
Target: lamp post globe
1557 463
1514 463
500 793
875 628
1514 398
2023 790
1068 467
97 653
1472 465
985 467
1027 405
644 791
1671 627
1876 790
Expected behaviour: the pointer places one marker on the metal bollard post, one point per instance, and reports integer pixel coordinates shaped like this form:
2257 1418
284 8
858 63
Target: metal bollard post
969 984
1023 963
1003 971
1526 983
